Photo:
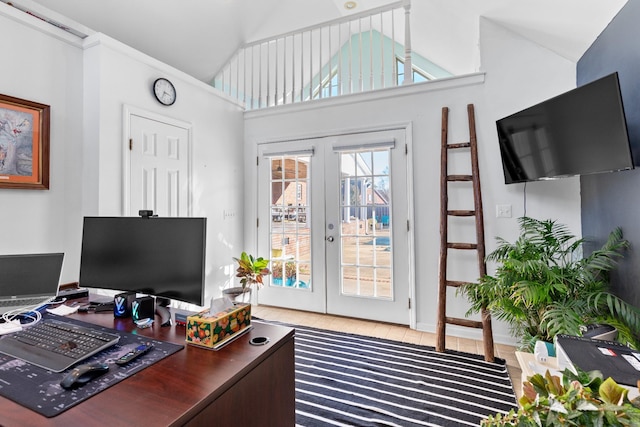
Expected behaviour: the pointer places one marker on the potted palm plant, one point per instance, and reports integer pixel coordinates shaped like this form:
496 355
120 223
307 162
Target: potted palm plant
542 286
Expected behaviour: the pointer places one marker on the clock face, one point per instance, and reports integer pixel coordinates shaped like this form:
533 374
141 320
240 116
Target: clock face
164 91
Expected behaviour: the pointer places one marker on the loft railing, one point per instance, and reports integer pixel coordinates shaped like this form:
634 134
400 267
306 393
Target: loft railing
357 53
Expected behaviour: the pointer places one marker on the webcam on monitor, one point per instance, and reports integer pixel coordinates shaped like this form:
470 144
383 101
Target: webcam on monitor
147 214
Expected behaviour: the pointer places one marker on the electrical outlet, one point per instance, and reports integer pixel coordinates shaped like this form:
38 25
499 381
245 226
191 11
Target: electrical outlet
226 214
503 211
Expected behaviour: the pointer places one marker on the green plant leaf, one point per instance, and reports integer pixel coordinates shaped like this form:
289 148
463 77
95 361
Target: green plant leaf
251 270
554 384
612 393
539 384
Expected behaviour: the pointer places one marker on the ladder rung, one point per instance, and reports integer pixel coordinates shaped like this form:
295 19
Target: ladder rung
462 245
459 178
461 213
459 145
464 322
456 283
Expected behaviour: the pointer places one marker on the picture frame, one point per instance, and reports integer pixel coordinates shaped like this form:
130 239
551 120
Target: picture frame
24 144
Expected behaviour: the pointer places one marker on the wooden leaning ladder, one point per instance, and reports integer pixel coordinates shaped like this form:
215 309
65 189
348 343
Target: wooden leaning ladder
445 245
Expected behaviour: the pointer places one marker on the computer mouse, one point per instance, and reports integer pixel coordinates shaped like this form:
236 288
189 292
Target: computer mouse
82 374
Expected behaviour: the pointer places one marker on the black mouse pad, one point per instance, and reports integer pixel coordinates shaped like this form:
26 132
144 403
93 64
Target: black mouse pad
39 389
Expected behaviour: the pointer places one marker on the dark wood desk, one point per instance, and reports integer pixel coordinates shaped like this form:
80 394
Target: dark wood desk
239 385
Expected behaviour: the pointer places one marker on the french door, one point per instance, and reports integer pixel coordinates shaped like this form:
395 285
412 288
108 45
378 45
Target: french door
333 215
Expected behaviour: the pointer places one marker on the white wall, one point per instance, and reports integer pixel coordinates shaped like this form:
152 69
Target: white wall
43 64
88 83
518 74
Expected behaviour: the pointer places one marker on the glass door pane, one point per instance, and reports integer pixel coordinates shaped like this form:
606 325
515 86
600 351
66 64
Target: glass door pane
365 236
290 231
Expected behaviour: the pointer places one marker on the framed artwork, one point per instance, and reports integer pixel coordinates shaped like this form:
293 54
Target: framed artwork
24 144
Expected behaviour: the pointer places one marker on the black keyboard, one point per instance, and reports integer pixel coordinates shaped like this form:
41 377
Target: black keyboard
56 345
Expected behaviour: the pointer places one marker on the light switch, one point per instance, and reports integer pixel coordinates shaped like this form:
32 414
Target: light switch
503 211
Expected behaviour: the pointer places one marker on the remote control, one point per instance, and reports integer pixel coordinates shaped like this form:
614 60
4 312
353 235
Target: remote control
138 351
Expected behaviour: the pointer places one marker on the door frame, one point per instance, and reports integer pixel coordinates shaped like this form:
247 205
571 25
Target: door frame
127 112
253 206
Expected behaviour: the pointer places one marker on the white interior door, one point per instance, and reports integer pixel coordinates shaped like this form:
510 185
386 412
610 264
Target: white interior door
333 216
158 159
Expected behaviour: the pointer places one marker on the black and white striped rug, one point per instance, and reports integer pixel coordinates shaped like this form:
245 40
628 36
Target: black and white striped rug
352 380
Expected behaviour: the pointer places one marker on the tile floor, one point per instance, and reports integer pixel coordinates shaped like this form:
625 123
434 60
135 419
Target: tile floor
388 331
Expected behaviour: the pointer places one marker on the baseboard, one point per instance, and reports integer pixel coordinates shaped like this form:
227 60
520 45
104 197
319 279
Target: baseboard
469 333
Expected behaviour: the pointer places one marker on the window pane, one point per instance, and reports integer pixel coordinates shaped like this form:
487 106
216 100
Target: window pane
290 232
365 230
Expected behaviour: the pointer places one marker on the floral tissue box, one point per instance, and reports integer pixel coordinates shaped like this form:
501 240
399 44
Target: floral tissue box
211 331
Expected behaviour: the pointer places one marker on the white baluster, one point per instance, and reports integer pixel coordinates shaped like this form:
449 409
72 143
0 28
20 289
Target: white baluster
238 76
394 68
311 65
293 68
350 60
260 76
301 66
382 85
244 77
339 59
370 52
320 63
274 72
360 71
284 70
408 66
268 74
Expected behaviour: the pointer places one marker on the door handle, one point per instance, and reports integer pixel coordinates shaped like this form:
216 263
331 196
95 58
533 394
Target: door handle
330 239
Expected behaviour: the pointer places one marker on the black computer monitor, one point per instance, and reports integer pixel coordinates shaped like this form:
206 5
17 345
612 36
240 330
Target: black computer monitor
163 257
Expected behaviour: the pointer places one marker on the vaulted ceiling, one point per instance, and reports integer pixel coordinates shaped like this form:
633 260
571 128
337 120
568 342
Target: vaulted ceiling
199 36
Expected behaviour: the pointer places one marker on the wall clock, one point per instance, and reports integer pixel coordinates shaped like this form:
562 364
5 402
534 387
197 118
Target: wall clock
164 91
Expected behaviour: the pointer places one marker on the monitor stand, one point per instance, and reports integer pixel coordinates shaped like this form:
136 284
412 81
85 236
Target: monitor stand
162 310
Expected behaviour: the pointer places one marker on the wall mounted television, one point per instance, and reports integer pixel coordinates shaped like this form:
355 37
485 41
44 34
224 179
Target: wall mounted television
163 257
582 131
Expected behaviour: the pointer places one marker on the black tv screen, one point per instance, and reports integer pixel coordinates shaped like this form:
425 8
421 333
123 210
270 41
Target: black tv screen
162 257
579 132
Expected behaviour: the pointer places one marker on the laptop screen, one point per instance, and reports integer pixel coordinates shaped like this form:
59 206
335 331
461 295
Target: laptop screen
30 275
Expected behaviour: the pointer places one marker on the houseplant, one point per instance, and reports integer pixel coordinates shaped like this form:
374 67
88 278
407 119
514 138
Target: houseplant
250 270
576 399
542 286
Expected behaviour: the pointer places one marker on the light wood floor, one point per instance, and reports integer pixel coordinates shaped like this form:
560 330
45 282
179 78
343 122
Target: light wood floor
388 331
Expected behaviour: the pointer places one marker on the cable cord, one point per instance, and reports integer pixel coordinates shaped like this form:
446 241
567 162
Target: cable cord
30 313
524 199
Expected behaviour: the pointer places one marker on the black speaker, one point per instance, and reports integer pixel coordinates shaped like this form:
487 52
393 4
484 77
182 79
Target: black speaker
122 304
143 308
